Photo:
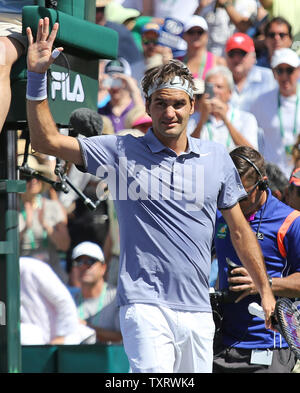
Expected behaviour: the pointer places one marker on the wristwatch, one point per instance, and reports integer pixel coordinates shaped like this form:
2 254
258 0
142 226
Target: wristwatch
270 281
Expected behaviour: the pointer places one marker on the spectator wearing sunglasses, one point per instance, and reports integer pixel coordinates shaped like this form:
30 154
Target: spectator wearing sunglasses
278 34
250 80
96 301
290 10
197 58
277 111
154 54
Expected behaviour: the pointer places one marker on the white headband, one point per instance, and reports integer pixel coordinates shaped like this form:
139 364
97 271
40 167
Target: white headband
175 83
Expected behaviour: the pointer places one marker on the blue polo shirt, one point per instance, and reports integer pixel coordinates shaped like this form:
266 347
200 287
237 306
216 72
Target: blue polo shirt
166 206
240 329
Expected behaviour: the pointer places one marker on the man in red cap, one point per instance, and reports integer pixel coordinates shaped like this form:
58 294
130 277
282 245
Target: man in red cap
250 80
293 191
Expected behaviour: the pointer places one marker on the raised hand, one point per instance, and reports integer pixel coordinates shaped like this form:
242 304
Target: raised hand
39 54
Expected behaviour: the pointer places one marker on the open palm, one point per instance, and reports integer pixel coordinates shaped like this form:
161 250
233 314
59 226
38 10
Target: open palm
39 52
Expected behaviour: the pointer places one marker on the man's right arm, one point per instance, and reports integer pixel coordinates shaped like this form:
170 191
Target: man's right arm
44 135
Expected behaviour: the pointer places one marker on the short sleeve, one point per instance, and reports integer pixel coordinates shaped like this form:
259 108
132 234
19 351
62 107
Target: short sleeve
98 152
292 246
232 189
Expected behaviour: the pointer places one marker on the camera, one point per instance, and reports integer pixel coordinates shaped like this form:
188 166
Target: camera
209 89
226 296
114 83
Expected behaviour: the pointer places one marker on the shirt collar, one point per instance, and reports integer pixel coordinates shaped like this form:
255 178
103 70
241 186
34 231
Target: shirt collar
156 146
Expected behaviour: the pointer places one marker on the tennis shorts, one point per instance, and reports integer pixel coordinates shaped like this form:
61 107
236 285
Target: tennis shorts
12 28
162 340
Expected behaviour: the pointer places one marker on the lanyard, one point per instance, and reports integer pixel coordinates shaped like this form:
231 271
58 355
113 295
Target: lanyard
295 116
210 133
100 303
202 65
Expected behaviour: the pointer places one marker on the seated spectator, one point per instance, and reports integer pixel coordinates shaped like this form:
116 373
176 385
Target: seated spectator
292 196
42 221
198 59
48 313
96 301
278 34
277 111
154 53
220 122
123 90
250 80
289 10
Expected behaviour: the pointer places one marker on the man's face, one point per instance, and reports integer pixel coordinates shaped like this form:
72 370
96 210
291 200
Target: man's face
90 271
221 88
250 204
170 110
277 37
240 62
196 37
150 43
287 78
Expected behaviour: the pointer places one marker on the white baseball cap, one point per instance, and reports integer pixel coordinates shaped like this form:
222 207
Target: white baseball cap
195 21
285 56
90 249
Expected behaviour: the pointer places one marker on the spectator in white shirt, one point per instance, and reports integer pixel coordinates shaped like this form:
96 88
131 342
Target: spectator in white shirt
250 80
220 122
277 111
48 312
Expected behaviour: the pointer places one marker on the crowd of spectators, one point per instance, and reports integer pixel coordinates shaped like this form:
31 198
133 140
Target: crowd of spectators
244 57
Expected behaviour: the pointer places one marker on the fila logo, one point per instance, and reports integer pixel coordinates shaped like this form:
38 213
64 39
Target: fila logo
61 83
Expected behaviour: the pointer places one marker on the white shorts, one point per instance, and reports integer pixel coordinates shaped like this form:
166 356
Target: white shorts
162 340
13 29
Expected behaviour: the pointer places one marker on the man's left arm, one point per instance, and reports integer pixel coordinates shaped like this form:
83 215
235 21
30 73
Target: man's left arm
249 252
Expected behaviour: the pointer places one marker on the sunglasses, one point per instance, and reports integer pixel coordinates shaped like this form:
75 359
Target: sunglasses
251 191
195 31
84 261
236 52
287 70
148 42
273 35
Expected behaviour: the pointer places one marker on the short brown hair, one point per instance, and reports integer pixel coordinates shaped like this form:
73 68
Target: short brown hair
166 72
244 167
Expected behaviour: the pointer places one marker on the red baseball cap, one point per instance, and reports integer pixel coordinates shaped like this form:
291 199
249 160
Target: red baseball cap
240 41
295 177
